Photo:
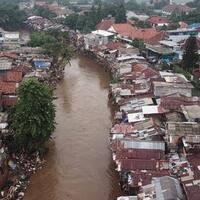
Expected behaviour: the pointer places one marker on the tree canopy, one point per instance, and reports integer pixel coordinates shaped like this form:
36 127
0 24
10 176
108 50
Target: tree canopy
194 4
43 12
11 18
192 17
33 117
55 43
87 22
138 44
139 7
190 56
121 14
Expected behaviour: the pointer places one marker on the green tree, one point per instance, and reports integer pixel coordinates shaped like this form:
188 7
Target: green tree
192 17
138 44
121 14
161 4
141 7
39 39
71 21
11 18
54 43
99 13
195 4
43 12
142 24
9 2
190 56
97 2
59 49
49 1
63 2
33 117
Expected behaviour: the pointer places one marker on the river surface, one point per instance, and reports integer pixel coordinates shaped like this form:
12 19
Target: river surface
79 164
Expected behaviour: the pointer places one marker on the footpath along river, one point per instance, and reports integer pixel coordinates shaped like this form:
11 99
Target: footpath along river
79 164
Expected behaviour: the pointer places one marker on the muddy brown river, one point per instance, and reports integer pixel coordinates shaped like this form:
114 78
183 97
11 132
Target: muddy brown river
79 165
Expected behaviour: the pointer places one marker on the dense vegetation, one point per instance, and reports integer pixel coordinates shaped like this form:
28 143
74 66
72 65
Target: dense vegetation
142 24
190 56
9 2
139 7
195 4
33 117
138 44
55 44
37 10
87 22
161 4
190 18
11 18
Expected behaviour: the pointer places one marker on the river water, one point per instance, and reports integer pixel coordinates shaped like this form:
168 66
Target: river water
79 165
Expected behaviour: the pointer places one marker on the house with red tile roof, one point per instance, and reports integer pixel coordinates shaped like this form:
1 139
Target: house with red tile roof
105 24
13 76
9 82
158 21
148 35
8 88
123 29
8 55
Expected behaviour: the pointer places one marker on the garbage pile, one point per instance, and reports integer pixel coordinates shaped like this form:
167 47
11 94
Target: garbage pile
19 169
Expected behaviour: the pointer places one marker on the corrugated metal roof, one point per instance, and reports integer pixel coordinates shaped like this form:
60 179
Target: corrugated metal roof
183 128
137 164
131 144
168 188
127 198
140 154
103 33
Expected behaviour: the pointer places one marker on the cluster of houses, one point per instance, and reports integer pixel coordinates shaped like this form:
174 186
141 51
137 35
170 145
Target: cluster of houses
155 138
17 63
59 11
38 23
164 46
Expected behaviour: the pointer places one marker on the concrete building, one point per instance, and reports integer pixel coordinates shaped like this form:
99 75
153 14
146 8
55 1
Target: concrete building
98 37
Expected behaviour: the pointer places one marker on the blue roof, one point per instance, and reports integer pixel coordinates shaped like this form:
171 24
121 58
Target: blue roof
195 25
41 64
